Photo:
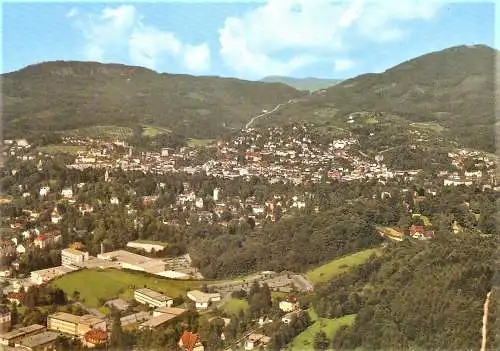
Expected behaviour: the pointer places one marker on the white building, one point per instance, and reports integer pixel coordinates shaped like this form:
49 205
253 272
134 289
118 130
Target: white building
203 300
67 193
216 194
152 298
44 190
199 202
72 256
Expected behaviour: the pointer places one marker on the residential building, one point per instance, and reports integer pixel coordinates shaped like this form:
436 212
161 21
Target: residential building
255 340
203 300
419 232
67 193
38 342
71 256
74 325
45 275
94 338
190 341
152 298
11 338
5 322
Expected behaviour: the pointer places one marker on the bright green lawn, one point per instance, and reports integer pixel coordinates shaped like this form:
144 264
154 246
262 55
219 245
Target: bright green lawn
305 340
151 131
111 283
55 148
329 270
233 306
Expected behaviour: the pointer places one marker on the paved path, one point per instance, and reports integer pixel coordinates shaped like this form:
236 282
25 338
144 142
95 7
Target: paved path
485 322
253 119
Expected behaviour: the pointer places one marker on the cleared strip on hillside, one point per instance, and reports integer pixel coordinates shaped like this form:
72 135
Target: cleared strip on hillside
340 265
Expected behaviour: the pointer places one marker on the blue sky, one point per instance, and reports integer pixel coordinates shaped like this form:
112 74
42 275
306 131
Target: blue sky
249 40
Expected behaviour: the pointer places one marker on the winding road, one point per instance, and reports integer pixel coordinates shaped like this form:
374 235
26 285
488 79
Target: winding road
253 119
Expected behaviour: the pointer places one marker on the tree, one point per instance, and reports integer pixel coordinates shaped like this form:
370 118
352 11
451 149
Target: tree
321 342
117 338
14 314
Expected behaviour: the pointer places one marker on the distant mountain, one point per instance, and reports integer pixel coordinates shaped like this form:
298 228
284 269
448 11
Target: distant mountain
305 84
64 95
453 89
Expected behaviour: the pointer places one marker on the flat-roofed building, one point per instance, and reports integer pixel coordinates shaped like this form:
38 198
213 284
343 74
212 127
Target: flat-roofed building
38 342
157 321
203 300
13 336
152 298
45 275
176 311
74 325
129 260
71 256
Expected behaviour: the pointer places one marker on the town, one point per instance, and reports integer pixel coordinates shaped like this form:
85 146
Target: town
44 237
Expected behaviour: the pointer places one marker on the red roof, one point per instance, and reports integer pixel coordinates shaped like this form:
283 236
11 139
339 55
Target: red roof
188 340
41 237
96 336
417 229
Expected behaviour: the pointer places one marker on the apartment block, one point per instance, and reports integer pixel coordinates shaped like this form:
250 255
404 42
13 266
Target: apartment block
74 325
152 298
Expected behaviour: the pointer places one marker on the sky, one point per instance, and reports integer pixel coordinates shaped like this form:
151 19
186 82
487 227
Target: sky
248 40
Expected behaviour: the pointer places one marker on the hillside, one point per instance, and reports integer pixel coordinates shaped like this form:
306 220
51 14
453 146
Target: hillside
64 95
453 88
416 296
305 84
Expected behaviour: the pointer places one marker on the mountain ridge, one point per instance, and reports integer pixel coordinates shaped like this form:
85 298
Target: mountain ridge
454 87
306 83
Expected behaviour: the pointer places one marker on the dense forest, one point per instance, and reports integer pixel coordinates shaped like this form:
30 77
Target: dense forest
418 295
293 244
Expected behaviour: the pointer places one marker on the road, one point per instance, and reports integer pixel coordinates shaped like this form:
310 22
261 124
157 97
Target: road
253 119
485 322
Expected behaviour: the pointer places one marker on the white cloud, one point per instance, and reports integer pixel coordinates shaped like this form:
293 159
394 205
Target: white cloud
72 13
309 31
119 32
343 65
197 57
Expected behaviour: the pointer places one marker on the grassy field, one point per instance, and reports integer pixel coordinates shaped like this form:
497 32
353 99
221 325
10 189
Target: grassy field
199 142
104 132
233 306
329 270
56 148
371 120
110 283
390 232
305 340
151 131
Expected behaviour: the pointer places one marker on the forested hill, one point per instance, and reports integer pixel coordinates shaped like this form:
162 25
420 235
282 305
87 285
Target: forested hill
418 295
63 95
454 88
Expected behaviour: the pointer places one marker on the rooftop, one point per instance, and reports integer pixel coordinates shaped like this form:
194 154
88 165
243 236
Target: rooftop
66 317
39 339
22 331
171 310
157 321
153 294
